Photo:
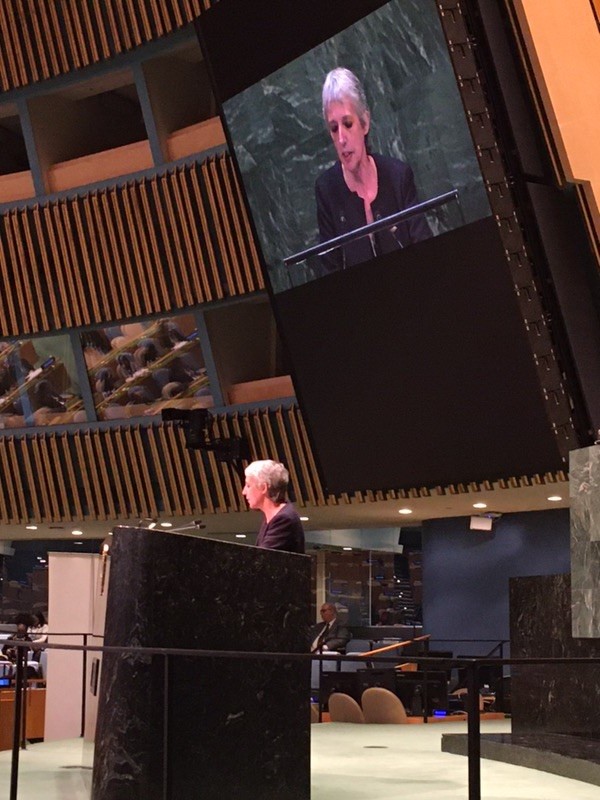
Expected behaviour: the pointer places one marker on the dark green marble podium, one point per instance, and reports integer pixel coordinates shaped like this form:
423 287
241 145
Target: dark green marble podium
203 727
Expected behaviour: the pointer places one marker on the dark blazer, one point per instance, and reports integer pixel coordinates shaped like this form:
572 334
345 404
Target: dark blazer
340 211
337 636
283 532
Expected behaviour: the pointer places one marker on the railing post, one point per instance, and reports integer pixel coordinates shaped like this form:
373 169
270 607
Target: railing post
84 686
500 689
321 704
21 670
425 696
165 765
24 702
473 731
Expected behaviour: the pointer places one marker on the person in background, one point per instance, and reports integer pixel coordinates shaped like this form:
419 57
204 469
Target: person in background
265 491
361 187
38 633
9 652
329 635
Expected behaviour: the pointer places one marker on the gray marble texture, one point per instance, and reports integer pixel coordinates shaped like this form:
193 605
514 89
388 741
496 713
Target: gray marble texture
213 727
400 54
575 757
551 698
584 482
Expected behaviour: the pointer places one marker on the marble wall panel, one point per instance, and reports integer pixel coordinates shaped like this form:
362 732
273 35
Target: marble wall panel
584 482
551 698
214 727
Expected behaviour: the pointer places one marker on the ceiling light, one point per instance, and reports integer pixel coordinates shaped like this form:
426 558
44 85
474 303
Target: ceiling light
555 498
77 533
479 505
240 536
304 519
405 511
151 525
31 527
81 543
166 524
346 548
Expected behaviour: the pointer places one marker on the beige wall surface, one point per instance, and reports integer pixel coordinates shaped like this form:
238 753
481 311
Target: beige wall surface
563 43
72 589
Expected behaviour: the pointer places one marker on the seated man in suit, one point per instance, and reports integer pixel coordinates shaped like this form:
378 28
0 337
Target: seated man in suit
329 635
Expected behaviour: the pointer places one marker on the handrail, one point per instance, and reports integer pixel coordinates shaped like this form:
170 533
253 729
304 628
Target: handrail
472 665
393 646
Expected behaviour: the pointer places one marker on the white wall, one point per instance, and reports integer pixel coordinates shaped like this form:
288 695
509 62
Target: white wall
72 588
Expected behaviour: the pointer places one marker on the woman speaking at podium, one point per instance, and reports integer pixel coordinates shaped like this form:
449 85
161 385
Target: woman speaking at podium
361 187
265 490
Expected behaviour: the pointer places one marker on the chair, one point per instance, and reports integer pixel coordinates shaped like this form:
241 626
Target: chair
383 707
343 708
354 647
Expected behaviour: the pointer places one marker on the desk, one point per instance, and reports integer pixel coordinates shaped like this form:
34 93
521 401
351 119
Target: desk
36 709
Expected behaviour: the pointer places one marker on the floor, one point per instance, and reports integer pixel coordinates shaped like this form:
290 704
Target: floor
353 762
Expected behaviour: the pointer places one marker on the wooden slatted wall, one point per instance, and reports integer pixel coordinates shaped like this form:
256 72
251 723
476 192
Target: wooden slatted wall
123 473
154 245
41 39
144 471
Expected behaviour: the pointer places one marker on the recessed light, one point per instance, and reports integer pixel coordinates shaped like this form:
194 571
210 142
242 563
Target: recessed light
81 543
166 524
151 525
479 505
77 533
304 519
555 498
346 548
405 511
31 527
240 536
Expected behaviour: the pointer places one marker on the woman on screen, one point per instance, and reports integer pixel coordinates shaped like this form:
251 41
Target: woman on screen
361 187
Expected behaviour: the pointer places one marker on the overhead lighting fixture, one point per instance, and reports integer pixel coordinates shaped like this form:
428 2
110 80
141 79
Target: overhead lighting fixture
80 543
240 536
555 498
77 533
151 525
166 524
479 505
31 527
304 519
405 511
346 548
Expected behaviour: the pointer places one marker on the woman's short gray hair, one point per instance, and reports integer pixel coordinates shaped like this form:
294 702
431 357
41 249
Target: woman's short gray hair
274 474
342 84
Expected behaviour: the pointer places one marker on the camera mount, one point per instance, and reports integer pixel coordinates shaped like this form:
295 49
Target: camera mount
195 423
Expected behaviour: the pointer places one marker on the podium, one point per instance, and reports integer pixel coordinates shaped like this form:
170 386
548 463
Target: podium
210 727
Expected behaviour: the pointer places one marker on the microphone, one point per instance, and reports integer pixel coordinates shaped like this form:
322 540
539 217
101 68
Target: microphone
195 524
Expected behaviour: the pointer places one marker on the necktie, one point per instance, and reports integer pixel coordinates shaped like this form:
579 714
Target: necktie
323 635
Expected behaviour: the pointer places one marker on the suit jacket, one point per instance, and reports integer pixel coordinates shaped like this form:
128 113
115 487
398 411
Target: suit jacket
340 211
337 636
283 532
